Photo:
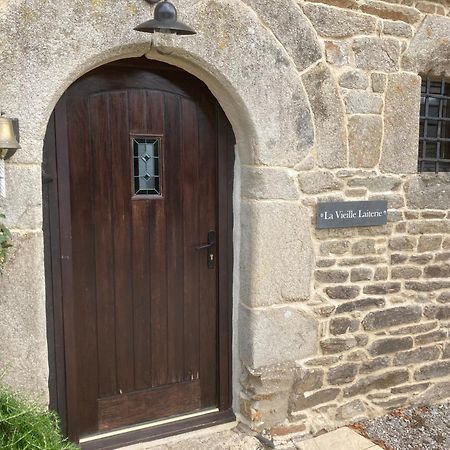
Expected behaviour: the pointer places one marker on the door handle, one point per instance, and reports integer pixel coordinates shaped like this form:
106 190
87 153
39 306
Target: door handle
211 261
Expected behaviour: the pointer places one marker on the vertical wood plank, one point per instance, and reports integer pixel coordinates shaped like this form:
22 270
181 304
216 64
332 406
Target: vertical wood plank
208 277
192 238
174 239
84 320
101 194
123 287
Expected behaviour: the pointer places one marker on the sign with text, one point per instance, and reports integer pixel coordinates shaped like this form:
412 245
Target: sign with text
351 214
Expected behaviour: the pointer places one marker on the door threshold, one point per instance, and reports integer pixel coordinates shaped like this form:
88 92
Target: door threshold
157 429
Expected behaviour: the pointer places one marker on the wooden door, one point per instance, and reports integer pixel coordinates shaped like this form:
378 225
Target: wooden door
138 163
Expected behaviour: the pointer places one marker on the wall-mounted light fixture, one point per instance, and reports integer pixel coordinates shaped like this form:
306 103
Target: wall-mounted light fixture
9 130
165 20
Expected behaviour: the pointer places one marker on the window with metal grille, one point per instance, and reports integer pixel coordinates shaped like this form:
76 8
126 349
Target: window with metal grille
434 146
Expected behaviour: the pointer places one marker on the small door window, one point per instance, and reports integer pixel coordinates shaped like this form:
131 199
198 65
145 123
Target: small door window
147 165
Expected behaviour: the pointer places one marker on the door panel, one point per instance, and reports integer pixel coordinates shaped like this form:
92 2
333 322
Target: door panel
141 317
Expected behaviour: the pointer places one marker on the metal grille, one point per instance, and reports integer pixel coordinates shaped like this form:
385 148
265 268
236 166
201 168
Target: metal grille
434 151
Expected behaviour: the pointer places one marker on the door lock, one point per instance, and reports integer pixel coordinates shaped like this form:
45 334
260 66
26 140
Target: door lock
211 261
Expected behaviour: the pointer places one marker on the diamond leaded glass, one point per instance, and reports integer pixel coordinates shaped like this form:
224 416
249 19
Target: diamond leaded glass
147 169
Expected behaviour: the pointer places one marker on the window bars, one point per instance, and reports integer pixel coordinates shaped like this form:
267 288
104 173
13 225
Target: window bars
434 140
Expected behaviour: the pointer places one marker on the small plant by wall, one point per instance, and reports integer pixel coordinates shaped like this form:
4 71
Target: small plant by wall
5 241
25 425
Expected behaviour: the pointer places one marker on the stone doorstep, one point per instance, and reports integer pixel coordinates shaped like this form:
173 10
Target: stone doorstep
228 437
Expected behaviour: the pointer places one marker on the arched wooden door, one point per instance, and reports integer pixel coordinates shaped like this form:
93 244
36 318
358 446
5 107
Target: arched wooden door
138 219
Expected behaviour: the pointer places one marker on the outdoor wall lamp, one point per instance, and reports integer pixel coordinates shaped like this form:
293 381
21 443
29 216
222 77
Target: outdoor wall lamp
8 141
165 20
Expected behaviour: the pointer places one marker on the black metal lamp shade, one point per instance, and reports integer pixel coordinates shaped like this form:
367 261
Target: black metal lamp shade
165 21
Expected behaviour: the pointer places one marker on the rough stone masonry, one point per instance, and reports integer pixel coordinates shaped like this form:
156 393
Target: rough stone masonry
323 96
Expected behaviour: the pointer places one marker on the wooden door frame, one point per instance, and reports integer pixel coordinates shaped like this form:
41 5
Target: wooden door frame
59 275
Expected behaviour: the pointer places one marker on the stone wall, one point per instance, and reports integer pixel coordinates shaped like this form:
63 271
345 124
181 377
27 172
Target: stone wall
324 100
380 295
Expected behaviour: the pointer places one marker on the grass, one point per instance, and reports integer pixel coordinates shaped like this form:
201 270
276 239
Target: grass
27 426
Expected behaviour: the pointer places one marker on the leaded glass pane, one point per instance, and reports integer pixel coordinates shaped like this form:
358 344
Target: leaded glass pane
147 170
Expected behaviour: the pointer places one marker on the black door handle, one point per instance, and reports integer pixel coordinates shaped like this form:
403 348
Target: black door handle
210 247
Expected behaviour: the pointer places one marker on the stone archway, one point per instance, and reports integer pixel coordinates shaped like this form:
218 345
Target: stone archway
255 73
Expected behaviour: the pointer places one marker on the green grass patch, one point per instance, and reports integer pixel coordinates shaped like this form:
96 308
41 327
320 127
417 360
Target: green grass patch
25 425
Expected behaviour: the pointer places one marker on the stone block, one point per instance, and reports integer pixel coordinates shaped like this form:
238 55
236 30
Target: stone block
323 263
382 288
338 23
354 79
444 297
306 380
428 191
435 370
426 286
343 374
410 388
401 123
435 336
369 260
396 28
364 247
415 329
420 259
334 247
417 356
436 393
23 208
328 110
362 102
23 343
324 361
440 257
300 402
364 140
337 344
336 52
379 81
429 243
439 312
270 229
268 183
437 271
402 243
318 182
360 305
377 382
429 227
398 258
381 274
276 336
392 317
389 11
331 276
361 274
405 272
433 214
342 292
350 410
390 345
343 325
429 50
379 183
375 364
377 54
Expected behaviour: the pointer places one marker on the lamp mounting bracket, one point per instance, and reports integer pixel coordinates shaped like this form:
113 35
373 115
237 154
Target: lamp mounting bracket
152 2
